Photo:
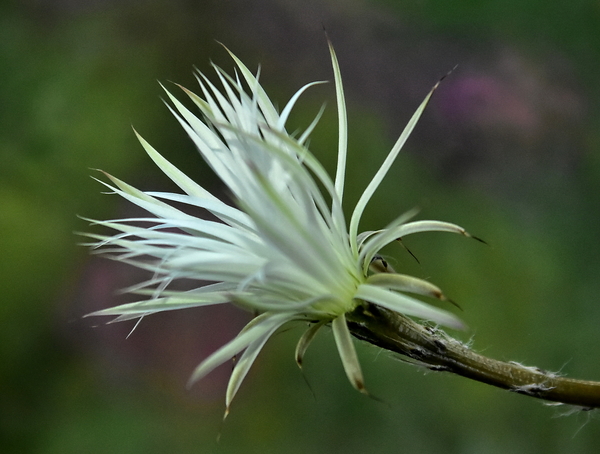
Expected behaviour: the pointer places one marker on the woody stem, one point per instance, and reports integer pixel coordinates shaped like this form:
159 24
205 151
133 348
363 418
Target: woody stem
437 351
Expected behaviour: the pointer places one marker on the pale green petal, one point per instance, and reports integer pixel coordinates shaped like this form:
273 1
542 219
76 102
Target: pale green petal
244 363
143 288
305 341
204 107
178 177
293 237
347 352
228 214
233 99
153 237
269 302
293 162
406 305
405 283
253 331
372 242
375 241
285 113
266 106
308 255
340 172
430 226
302 139
209 137
202 129
143 200
219 103
216 156
220 234
387 164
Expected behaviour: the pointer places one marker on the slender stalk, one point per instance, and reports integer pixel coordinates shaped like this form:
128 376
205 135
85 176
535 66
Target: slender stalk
437 351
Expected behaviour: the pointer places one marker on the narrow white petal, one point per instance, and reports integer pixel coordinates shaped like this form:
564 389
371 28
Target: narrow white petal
246 360
220 234
163 304
226 213
302 139
266 106
219 103
178 177
143 200
200 128
143 288
255 301
342 125
285 113
217 156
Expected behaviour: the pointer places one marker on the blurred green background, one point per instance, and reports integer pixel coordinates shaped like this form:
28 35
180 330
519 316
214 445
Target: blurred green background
509 148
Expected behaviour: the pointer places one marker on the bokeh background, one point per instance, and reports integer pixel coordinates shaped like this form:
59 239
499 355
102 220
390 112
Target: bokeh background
509 148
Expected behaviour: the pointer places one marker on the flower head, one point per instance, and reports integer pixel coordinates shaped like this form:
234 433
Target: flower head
285 252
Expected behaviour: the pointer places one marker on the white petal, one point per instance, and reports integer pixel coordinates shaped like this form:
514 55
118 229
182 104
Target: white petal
285 113
164 304
266 106
245 362
178 177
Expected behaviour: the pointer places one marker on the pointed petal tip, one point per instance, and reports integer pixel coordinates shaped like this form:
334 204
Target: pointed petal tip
361 388
191 382
222 45
454 303
359 385
101 171
449 320
299 362
100 313
437 84
305 341
477 239
458 325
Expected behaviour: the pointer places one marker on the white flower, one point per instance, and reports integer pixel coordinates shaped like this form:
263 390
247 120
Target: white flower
285 252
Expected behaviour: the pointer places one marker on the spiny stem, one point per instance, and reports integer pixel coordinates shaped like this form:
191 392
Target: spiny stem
437 351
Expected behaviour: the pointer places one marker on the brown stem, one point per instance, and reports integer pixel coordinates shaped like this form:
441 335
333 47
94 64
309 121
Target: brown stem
437 351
